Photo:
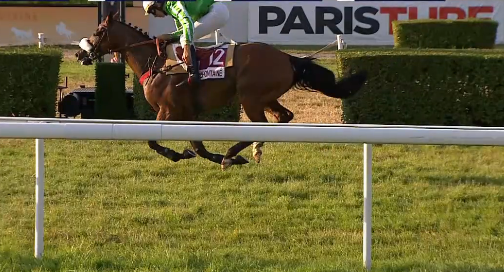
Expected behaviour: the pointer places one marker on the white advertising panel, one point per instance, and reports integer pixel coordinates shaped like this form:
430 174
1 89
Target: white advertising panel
235 29
360 22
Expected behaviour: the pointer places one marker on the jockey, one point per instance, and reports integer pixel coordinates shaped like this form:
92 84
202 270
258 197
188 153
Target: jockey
193 19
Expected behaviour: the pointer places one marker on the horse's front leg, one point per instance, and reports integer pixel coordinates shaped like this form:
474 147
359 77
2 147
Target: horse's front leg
216 158
171 154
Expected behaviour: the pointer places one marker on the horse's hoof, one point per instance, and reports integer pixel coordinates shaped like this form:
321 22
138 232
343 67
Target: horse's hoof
226 163
166 153
239 160
256 151
188 154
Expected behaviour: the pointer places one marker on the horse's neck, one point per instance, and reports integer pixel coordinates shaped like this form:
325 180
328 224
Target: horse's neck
138 58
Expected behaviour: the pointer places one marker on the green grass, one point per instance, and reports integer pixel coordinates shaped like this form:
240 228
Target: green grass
79 74
117 205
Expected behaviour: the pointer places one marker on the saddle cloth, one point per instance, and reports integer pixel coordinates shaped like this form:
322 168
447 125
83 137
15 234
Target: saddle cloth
213 60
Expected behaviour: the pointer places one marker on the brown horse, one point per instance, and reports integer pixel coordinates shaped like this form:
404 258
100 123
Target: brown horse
259 75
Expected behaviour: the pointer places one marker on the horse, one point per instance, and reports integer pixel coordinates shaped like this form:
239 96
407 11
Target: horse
258 76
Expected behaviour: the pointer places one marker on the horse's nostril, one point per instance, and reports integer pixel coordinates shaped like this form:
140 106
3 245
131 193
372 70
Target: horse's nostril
76 55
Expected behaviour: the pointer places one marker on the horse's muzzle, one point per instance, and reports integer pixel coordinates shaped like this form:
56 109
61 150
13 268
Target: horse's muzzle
86 61
83 57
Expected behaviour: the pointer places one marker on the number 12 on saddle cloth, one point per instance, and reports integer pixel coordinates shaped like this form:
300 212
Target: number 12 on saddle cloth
213 60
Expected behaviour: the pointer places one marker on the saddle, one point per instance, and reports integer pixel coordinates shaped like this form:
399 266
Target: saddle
208 56
201 52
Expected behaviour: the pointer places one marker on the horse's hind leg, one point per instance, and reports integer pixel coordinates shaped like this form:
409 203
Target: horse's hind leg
282 115
165 151
255 114
200 149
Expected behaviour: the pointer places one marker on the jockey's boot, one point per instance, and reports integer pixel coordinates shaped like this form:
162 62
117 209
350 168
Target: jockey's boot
194 75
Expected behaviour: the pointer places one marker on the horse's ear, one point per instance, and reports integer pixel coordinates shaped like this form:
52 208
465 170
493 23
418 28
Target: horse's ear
111 17
108 19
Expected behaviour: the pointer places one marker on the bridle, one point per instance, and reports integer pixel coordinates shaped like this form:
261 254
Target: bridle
94 52
93 49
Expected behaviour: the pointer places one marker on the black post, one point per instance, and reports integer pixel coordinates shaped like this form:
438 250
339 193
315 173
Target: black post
107 7
104 8
122 12
99 13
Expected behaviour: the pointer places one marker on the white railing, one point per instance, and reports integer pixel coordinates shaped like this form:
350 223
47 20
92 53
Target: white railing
52 128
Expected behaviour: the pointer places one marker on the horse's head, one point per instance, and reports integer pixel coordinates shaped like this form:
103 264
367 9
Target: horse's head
109 36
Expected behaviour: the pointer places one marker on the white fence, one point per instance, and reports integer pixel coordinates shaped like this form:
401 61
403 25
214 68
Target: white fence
80 129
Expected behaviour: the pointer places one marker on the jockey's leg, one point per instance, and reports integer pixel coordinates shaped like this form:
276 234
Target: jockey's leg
213 20
165 40
169 37
194 75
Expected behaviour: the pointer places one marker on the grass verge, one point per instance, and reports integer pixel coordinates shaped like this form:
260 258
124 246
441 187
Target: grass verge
117 205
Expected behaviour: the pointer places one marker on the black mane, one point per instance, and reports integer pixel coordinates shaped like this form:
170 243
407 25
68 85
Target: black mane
139 30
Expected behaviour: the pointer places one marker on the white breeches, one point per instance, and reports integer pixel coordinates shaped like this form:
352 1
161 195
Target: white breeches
213 20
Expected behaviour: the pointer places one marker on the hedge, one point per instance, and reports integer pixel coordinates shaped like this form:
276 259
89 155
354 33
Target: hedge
450 34
29 79
143 110
229 113
426 87
110 92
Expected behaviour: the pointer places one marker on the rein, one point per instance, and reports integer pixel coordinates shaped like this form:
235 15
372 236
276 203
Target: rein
134 45
93 54
104 33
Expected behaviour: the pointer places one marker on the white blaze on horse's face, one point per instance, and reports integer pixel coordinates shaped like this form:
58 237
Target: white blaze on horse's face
85 45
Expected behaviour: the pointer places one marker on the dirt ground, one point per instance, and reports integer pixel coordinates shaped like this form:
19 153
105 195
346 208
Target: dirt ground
310 108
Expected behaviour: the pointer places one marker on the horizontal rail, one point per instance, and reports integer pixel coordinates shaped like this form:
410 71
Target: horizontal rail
261 124
266 133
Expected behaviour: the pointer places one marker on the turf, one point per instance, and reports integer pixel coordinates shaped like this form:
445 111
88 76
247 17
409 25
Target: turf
117 205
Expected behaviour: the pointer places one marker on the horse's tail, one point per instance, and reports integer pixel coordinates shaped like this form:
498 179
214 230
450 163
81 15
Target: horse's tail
309 75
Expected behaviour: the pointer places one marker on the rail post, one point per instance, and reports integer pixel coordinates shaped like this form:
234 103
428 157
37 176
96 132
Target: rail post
41 40
366 222
39 197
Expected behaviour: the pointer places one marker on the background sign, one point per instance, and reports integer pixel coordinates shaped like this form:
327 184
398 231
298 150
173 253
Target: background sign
360 22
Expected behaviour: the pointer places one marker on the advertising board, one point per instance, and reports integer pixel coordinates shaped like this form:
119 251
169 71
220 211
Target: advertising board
60 25
360 22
